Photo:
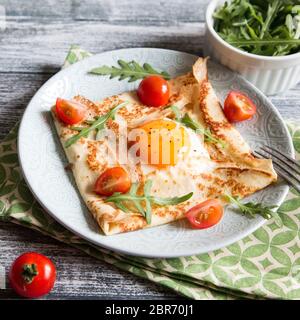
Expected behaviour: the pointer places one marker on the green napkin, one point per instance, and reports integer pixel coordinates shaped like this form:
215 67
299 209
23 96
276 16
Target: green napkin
265 264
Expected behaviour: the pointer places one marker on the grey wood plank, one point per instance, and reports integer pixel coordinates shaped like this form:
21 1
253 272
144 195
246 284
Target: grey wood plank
154 12
16 90
78 275
35 47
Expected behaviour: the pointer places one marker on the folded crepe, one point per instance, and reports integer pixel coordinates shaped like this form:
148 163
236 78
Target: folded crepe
209 172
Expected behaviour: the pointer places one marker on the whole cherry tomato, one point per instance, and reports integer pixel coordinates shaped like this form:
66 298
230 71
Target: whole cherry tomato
238 107
32 275
206 214
70 112
154 91
112 180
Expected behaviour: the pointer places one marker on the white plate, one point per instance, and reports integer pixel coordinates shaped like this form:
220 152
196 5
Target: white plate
43 160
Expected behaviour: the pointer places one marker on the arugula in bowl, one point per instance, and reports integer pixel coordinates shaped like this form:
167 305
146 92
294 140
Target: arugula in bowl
263 27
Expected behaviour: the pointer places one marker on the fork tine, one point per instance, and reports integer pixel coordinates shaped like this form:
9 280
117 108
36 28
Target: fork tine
283 173
284 165
284 158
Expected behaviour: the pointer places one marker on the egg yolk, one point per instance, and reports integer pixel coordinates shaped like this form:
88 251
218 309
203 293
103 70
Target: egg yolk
165 139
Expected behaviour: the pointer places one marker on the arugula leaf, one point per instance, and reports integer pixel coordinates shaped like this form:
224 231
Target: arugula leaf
176 112
271 14
143 203
131 70
187 121
270 42
270 27
172 201
252 209
98 124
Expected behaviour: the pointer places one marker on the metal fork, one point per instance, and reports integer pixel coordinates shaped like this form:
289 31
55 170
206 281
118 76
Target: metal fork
285 166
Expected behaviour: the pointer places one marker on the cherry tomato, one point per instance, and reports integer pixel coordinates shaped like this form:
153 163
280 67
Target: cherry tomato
32 275
206 214
154 91
70 112
238 107
113 180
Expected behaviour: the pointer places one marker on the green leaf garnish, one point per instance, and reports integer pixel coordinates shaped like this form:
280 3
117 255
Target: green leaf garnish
97 124
143 203
251 209
131 70
176 112
187 121
78 128
269 28
271 42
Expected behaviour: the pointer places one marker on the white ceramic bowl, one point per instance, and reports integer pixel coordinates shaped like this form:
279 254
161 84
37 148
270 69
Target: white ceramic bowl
270 74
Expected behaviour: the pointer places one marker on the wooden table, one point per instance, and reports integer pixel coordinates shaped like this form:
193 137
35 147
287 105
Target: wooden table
32 48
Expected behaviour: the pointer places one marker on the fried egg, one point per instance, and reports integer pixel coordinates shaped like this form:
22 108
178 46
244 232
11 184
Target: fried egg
175 158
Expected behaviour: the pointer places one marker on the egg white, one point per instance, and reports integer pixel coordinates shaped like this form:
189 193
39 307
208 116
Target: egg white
184 177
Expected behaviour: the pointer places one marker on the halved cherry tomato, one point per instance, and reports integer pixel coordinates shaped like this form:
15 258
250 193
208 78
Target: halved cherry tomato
154 91
206 214
238 107
112 180
70 112
32 275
